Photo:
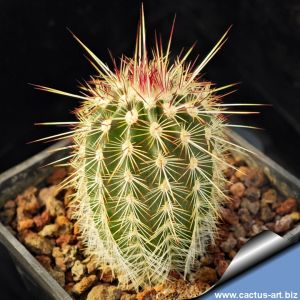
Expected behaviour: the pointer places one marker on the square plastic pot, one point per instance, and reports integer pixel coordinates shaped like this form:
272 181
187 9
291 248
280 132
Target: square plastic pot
12 182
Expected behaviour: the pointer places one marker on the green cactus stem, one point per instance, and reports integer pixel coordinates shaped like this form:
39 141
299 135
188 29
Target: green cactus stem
148 156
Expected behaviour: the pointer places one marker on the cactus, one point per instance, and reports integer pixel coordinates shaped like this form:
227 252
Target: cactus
147 159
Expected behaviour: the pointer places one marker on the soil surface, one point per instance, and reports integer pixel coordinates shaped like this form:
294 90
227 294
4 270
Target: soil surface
41 219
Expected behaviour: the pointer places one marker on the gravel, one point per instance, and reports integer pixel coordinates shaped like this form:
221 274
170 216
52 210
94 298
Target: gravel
40 218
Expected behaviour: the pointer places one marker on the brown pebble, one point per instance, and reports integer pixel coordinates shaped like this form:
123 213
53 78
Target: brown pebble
64 256
229 216
239 231
78 270
252 193
256 229
65 239
245 217
69 287
232 254
42 219
104 292
233 179
205 274
7 215
295 216
228 172
28 201
36 243
266 214
270 226
53 206
237 189
200 288
229 244
49 230
64 224
223 234
91 264
269 197
206 260
47 192
287 206
238 161
25 224
213 248
283 224
27 204
255 178
218 256
221 267
84 284
128 297
234 203
146 294
252 206
242 172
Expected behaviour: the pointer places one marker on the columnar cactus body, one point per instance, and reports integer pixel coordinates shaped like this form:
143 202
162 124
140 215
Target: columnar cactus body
147 160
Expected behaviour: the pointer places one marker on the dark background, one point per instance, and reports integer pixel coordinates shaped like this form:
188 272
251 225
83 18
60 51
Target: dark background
263 53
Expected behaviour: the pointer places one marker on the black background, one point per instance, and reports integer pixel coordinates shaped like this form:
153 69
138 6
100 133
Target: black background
262 53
